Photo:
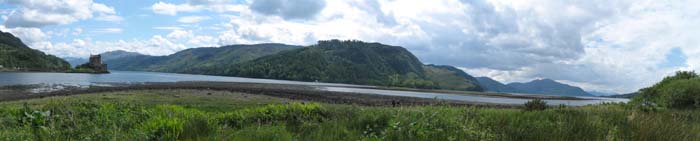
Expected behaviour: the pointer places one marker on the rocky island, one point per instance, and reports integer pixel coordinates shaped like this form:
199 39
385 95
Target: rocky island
94 66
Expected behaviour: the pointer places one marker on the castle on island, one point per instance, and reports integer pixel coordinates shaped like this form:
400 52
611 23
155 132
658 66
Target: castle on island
94 66
96 62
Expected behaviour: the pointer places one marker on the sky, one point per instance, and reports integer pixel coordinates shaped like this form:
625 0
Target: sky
600 45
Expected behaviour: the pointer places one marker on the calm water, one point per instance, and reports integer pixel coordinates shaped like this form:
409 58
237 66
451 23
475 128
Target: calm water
27 78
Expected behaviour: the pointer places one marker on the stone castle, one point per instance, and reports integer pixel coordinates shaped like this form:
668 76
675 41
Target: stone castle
96 61
95 64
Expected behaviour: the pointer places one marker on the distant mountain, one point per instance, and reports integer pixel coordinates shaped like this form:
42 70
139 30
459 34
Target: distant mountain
629 95
205 60
106 57
75 61
597 93
118 54
16 56
494 86
541 86
548 87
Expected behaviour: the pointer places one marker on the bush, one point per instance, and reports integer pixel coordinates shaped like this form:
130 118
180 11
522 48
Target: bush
292 114
535 104
681 91
162 128
171 122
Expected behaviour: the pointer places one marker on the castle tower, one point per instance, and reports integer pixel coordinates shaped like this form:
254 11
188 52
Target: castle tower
95 60
95 65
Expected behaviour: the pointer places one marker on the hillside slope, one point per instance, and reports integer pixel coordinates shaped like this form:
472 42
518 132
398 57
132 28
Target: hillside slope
335 61
354 62
16 56
449 77
206 60
548 87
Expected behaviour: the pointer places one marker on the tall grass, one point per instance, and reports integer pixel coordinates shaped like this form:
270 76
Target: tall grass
74 119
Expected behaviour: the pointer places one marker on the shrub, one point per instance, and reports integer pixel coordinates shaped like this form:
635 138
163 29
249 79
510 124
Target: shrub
293 114
681 91
171 122
162 128
535 104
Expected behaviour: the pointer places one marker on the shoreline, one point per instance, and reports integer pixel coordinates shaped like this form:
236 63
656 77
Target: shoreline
289 91
485 94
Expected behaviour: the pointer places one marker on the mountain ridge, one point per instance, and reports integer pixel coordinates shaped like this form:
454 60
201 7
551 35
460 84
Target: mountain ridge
201 60
492 85
537 86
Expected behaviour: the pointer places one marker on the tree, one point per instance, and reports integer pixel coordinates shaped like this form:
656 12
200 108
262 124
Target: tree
535 104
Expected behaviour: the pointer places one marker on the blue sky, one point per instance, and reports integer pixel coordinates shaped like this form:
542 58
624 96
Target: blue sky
610 46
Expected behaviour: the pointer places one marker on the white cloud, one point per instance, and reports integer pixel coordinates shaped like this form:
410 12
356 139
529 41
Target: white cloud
168 28
202 41
110 18
220 6
206 2
109 30
101 8
173 9
77 31
156 45
28 35
180 34
32 13
192 19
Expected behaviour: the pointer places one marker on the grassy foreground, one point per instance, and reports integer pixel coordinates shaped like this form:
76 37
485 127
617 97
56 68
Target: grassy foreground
218 115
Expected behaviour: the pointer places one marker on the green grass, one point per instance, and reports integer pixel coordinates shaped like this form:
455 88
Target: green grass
216 115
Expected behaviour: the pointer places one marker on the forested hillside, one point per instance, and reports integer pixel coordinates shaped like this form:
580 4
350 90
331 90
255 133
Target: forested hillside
16 56
206 60
354 62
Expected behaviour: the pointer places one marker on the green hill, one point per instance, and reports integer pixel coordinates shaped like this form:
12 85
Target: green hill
16 56
680 91
540 86
354 62
548 87
206 60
